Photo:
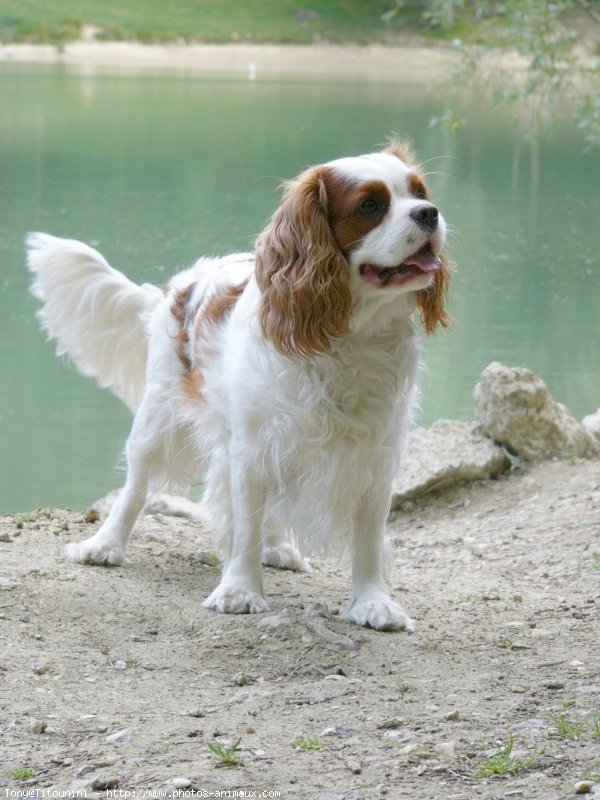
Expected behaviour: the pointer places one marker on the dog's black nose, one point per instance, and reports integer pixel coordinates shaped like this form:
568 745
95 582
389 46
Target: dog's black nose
426 217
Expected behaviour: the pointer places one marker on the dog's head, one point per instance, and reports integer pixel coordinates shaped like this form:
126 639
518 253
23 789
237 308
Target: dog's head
354 229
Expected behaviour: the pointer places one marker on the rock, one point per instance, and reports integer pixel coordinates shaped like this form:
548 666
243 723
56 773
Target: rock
448 452
243 679
120 665
447 750
583 787
39 666
336 730
592 424
354 766
452 716
516 409
391 724
102 784
37 725
4 537
120 737
180 783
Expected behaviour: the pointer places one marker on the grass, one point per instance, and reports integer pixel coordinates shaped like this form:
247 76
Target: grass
596 726
567 729
504 763
278 21
307 743
506 644
596 557
228 755
21 773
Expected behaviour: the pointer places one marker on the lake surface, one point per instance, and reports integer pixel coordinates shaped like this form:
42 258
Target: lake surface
155 171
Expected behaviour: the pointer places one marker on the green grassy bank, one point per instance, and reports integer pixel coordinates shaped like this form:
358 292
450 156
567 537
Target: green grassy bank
219 21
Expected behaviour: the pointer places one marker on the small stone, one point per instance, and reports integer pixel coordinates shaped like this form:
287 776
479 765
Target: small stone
336 730
92 516
554 685
103 784
391 724
452 716
583 787
493 594
250 729
39 666
120 737
446 749
517 598
198 713
37 725
120 665
354 766
528 724
4 537
398 736
243 679
180 783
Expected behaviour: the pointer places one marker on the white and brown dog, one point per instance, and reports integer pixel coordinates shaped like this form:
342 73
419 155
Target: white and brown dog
286 375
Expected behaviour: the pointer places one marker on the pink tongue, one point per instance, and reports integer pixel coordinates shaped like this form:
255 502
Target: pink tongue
424 260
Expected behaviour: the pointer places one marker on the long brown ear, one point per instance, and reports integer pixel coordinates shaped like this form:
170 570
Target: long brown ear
301 272
432 301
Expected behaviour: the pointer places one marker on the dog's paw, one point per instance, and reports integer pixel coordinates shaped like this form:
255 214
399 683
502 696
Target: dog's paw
232 600
381 614
285 556
94 550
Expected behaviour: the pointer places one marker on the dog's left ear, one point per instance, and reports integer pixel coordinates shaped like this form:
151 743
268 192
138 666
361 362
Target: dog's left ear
301 273
432 301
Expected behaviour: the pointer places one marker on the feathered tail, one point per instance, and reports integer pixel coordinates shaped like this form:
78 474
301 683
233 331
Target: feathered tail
97 316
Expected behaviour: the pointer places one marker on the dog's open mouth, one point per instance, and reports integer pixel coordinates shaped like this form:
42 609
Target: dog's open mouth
424 261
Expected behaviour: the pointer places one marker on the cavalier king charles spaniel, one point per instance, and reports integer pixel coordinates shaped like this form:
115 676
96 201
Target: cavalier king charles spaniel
285 377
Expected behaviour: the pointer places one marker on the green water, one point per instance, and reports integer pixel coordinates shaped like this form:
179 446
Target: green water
155 171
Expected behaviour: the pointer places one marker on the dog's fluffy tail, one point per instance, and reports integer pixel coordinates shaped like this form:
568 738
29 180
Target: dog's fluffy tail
97 316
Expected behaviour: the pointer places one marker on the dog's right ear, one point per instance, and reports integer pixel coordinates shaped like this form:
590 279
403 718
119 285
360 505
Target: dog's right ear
301 273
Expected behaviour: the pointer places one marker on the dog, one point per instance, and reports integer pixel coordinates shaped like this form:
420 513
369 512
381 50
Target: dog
285 376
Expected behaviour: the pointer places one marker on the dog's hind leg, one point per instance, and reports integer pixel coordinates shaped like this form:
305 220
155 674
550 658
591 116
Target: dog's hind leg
280 553
107 546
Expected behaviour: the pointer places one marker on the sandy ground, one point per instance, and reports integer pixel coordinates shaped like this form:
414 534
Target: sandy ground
375 62
118 677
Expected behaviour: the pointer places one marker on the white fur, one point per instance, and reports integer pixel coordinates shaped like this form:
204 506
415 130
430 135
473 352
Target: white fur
297 453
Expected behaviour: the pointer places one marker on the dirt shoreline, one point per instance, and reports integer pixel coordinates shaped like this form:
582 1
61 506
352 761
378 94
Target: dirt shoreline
349 62
118 677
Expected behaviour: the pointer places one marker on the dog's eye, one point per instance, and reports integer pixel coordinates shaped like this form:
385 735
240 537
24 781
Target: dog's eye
420 194
370 206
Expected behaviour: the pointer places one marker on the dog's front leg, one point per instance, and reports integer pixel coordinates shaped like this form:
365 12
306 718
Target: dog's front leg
241 588
370 603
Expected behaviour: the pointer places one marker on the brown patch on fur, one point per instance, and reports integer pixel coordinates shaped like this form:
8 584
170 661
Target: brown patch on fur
221 302
215 310
180 310
417 187
349 225
301 271
431 302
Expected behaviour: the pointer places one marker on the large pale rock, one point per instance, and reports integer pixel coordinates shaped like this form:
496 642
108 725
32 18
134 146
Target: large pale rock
444 454
592 424
516 409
